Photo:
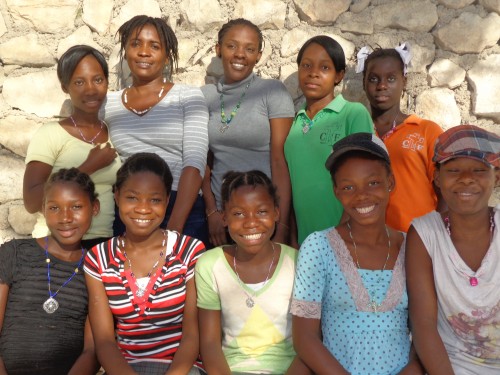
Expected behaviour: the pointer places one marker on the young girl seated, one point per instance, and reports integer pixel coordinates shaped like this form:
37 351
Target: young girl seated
142 296
43 299
349 300
244 290
453 260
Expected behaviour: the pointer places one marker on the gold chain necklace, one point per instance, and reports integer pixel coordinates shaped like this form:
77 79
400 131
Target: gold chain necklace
372 304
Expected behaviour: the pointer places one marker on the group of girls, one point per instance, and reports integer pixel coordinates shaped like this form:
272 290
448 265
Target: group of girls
348 294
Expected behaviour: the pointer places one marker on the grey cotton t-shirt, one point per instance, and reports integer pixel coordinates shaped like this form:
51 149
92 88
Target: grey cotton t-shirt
245 145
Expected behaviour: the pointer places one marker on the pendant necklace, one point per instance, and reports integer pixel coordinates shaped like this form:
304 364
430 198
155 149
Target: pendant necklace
144 111
91 141
223 118
473 280
141 290
307 124
250 297
51 305
373 305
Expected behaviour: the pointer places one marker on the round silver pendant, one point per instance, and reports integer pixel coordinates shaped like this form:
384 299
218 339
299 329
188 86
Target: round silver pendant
250 302
50 305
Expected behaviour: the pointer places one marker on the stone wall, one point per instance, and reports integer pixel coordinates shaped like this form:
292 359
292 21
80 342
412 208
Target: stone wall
455 76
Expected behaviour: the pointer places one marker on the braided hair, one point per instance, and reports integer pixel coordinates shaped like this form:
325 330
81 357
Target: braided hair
240 22
234 180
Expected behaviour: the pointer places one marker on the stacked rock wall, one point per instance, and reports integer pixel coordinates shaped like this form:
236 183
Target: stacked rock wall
455 76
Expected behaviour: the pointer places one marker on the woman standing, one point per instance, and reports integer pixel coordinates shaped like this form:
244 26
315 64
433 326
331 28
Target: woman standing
249 121
155 115
80 140
320 123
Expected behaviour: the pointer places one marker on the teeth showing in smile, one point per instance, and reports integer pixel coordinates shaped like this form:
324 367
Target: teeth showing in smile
365 210
255 236
238 66
142 221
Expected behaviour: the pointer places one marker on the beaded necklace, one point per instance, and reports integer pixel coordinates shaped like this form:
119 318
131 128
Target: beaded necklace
223 118
373 305
473 280
141 290
91 141
144 111
51 305
250 297
307 124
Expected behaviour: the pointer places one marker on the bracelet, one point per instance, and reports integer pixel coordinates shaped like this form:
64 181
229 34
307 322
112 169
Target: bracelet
212 212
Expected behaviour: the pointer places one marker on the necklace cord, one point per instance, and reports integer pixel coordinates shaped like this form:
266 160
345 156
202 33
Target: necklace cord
250 297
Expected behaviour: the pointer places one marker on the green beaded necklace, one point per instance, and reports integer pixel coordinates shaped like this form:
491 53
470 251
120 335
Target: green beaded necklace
223 118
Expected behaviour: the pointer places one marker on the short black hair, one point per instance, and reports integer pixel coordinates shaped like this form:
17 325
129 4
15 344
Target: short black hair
331 46
233 180
165 32
71 58
144 162
72 175
240 22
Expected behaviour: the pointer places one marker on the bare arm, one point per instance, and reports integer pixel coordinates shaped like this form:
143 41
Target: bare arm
216 229
280 176
4 293
211 343
87 363
102 323
423 307
188 349
414 367
187 192
99 157
37 173
309 347
35 177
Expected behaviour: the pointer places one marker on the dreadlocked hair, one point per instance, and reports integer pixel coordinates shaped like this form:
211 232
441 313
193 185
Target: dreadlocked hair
133 27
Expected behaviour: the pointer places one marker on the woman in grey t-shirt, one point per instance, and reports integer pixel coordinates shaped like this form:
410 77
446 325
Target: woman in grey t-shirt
249 120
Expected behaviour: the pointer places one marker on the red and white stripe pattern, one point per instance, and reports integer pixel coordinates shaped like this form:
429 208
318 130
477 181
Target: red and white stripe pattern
153 330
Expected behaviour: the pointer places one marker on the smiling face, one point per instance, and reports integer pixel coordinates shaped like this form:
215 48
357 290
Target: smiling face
384 82
142 202
239 51
250 215
68 212
466 184
363 187
317 74
146 55
88 86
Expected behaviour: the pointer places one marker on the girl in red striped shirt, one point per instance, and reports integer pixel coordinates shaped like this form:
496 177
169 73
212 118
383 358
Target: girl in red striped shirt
142 297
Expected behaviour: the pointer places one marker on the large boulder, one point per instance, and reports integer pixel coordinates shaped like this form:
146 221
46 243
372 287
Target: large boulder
321 12
469 33
484 77
438 105
26 51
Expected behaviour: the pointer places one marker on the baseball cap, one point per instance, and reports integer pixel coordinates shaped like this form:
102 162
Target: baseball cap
367 142
468 141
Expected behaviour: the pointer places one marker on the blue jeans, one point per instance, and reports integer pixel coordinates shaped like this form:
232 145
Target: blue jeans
196 224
